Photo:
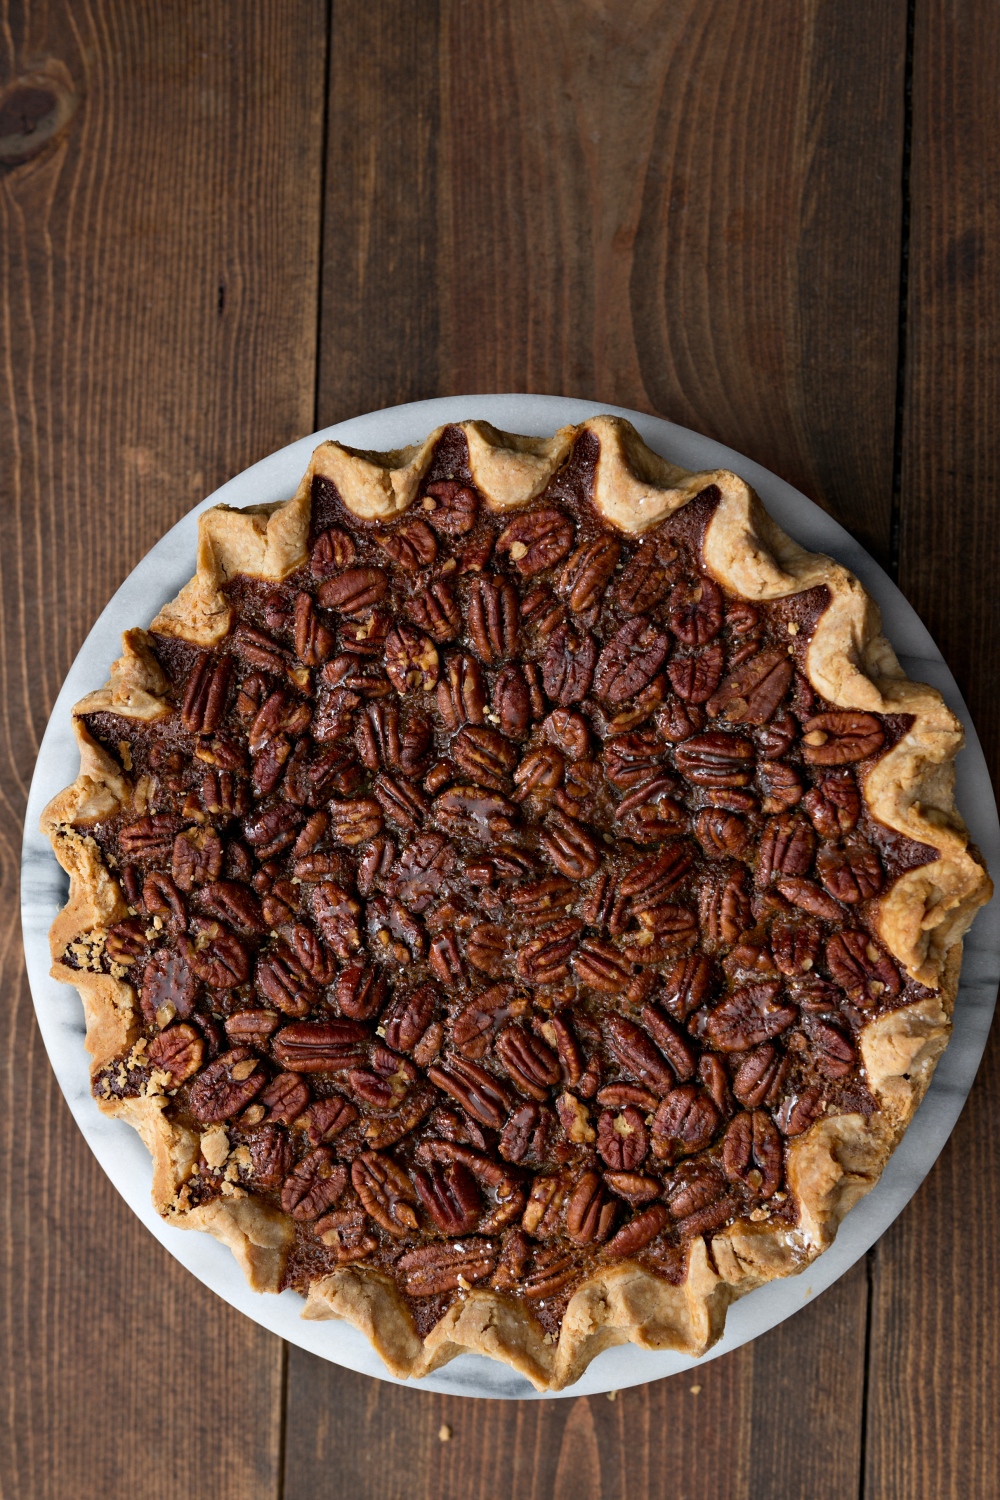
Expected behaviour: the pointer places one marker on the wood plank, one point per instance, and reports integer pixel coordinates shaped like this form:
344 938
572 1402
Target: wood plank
934 1359
687 209
380 236
158 315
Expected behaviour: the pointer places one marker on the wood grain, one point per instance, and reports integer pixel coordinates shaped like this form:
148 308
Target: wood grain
935 1363
685 207
723 1429
159 232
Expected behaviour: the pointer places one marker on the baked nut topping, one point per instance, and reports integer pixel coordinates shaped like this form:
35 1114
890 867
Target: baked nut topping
507 893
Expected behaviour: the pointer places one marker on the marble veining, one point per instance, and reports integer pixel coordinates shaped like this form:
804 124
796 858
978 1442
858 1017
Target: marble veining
60 1013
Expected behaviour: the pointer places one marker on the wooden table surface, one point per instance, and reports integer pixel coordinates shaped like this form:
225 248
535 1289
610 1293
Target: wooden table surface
225 224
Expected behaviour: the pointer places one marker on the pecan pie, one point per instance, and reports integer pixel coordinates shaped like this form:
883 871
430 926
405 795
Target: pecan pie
516 895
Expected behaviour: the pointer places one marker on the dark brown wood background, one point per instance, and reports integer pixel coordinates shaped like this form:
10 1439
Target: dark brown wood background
225 224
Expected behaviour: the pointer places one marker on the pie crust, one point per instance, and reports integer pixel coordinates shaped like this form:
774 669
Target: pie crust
922 915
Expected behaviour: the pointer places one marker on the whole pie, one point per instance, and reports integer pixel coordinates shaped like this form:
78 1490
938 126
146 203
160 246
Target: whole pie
516 895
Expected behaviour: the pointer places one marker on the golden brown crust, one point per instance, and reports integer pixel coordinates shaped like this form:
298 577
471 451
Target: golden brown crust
922 917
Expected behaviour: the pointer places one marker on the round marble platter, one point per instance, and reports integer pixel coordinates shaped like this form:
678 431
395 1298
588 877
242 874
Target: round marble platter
60 1014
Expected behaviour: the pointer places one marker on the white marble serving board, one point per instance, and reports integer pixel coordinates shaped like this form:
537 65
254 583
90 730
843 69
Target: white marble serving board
60 1016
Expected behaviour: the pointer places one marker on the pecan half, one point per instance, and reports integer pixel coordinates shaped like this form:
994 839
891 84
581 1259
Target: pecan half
435 609
722 834
409 1016
226 1086
716 759
320 1046
689 984
634 1187
834 805
780 785
233 903
670 1041
786 848
795 944
808 896
752 1153
724 906
695 611
412 547
750 1015
799 1111
450 507
196 858
695 678
274 830
481 1095
485 755
461 694
179 1051
217 957
545 958
362 991
536 540
449 1193
314 1186
685 1122
602 966
434 1269
401 802
285 1098
205 692
590 1213
332 551
586 573
282 981
850 871
473 1027
168 986
570 846
516 701
542 902
861 968
630 660
832 1053
638 1232
840 738
270 1157
327 1118
314 644
622 1139
646 580
386 1192
354 822
149 838
493 615
752 693
354 591
411 660
473 813
568 667
760 1075
530 1064
637 1054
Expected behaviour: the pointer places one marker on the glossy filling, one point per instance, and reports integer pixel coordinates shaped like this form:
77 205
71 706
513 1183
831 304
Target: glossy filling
501 895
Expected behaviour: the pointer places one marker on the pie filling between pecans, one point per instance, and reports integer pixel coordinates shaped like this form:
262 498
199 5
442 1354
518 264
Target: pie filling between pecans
501 895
